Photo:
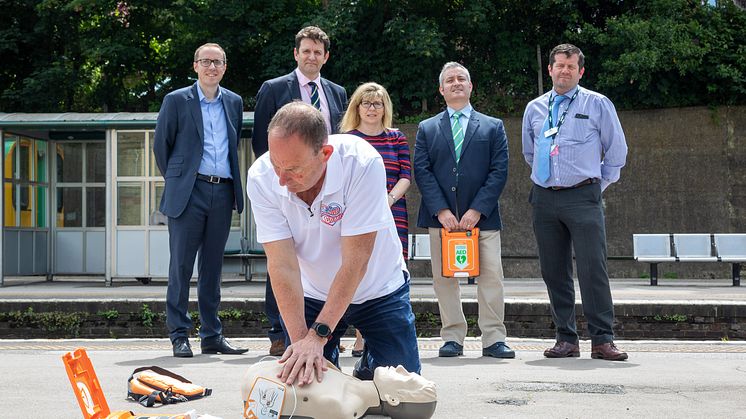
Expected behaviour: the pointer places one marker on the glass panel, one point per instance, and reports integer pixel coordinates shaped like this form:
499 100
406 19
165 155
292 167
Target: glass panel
24 159
154 171
236 219
41 206
95 206
9 157
41 161
95 162
130 153
156 192
27 219
129 203
69 162
69 207
10 208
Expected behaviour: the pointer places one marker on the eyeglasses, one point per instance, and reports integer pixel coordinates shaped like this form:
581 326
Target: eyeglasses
205 62
367 105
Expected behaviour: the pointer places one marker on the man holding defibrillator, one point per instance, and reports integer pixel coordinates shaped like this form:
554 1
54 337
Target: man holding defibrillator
461 166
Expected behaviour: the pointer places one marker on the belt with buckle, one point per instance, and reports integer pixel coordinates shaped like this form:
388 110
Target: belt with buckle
213 179
588 181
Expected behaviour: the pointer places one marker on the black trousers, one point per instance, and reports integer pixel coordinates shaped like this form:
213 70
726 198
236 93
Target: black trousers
567 220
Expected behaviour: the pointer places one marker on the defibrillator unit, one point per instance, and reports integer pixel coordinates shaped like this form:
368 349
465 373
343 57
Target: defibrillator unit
460 253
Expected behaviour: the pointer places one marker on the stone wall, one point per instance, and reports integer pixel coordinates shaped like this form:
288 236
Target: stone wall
685 173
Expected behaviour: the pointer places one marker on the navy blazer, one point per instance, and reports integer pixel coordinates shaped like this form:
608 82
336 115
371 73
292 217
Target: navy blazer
179 141
280 91
476 181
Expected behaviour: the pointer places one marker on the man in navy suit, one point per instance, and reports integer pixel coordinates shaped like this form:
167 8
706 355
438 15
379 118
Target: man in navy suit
461 166
196 149
304 83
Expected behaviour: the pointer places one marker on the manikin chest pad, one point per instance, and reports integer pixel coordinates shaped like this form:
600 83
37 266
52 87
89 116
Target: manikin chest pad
404 395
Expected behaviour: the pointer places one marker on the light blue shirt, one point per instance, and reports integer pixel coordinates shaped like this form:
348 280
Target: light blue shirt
590 142
215 150
464 118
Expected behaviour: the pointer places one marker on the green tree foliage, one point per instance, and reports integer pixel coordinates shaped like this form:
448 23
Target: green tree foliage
116 55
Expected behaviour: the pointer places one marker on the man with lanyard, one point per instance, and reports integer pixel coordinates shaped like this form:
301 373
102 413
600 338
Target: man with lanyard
574 143
335 257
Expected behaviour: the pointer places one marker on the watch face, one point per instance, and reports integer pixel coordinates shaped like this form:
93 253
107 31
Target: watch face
322 329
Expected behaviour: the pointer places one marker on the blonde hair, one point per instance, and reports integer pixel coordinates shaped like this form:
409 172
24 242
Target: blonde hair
367 91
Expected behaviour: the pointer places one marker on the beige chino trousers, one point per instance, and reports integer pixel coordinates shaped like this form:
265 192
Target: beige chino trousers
490 294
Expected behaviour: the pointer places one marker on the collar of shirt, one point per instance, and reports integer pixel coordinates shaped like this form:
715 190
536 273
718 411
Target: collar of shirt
465 111
303 80
569 93
203 98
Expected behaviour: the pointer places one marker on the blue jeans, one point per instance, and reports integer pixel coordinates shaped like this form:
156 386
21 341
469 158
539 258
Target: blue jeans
386 323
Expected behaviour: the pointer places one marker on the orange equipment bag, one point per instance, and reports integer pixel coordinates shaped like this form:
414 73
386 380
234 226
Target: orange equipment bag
91 396
460 253
149 385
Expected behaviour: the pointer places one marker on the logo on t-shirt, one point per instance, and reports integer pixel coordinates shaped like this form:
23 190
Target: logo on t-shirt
331 213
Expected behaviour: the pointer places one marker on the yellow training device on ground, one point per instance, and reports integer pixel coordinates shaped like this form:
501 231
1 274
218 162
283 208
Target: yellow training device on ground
91 396
460 253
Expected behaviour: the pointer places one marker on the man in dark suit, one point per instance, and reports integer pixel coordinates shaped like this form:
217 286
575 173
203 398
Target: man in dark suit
304 83
196 149
461 166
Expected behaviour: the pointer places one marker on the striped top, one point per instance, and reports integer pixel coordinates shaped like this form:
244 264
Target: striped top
393 147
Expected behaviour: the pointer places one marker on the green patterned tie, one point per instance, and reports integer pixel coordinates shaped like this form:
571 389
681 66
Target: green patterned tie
458 134
315 95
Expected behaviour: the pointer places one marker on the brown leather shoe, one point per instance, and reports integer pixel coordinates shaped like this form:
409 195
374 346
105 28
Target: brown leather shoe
608 351
277 348
563 349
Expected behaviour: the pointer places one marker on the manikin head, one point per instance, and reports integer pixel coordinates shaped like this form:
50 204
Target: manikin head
393 392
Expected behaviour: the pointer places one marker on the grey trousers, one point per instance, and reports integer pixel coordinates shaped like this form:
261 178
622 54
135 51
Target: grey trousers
567 220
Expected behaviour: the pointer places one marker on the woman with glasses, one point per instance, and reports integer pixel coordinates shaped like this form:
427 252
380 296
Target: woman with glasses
369 116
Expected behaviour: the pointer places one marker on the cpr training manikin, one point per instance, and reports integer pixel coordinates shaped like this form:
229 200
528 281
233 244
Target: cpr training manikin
394 392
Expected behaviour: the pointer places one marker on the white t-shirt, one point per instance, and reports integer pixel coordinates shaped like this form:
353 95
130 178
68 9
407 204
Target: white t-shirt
352 201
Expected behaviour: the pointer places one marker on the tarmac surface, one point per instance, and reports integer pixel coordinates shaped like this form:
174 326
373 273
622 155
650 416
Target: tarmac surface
661 379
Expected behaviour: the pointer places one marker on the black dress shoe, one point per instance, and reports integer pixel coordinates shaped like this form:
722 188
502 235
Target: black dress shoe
182 348
450 349
499 350
218 345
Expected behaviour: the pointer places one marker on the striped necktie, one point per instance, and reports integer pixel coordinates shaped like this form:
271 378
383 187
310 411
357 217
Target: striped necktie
315 101
458 134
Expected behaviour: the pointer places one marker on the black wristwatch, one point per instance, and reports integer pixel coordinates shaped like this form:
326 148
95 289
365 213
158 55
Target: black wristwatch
322 330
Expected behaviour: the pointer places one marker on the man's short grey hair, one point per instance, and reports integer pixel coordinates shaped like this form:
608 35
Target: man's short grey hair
302 119
450 65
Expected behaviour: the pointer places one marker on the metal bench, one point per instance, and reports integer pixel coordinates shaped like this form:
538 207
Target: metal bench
247 256
419 247
731 248
653 249
660 248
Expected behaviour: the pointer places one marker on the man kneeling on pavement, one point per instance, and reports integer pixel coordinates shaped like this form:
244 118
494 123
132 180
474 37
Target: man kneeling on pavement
332 248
